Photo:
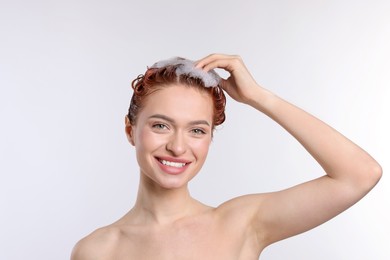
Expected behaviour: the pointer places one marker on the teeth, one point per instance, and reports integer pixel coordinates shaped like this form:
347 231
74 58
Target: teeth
173 164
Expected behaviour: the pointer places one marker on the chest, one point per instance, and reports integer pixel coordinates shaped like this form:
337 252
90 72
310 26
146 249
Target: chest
188 240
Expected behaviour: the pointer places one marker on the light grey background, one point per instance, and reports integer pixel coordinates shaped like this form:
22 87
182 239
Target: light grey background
65 70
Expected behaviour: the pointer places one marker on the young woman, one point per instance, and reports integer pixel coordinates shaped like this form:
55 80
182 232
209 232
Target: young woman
173 112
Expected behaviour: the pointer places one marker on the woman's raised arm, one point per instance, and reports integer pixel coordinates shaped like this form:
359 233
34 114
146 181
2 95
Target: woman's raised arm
350 171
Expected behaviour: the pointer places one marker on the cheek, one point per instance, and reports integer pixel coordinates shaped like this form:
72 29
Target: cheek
201 147
146 140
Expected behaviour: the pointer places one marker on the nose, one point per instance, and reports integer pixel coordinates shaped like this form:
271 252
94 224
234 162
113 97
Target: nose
177 144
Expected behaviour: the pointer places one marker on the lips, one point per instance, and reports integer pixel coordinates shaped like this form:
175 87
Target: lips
172 166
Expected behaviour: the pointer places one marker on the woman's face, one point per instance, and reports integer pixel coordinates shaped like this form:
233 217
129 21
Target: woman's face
172 135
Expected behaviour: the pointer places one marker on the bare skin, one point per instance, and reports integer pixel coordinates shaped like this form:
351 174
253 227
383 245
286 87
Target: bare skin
167 223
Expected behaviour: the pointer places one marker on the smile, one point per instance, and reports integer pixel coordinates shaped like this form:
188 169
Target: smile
173 164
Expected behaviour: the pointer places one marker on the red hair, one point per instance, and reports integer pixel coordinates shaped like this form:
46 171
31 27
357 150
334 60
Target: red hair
157 78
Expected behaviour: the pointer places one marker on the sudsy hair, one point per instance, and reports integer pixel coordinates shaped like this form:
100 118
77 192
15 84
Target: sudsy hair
156 78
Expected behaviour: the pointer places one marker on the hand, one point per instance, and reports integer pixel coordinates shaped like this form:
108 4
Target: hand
240 85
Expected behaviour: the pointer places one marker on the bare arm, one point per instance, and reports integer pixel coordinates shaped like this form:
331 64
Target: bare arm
350 171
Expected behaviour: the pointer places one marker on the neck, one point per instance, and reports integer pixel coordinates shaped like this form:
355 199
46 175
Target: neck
161 205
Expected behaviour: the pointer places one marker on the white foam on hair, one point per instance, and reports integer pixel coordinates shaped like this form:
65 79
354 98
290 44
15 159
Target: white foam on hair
187 67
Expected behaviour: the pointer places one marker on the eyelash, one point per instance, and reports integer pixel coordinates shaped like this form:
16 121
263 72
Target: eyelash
198 131
161 126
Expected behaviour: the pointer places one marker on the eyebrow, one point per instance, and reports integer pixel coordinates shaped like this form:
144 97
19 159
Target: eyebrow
166 118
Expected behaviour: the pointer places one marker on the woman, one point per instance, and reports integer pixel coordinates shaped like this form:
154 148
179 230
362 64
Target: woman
173 112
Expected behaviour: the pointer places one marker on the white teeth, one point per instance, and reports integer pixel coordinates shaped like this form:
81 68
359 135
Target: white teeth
173 164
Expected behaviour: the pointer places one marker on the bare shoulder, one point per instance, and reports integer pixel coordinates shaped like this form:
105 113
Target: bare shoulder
243 212
245 205
100 244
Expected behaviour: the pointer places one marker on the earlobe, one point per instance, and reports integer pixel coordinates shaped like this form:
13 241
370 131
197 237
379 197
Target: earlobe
129 131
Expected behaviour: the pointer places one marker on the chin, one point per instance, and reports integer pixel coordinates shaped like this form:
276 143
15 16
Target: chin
173 184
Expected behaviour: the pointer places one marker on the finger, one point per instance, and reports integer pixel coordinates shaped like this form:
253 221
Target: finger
210 58
224 84
200 63
220 63
229 64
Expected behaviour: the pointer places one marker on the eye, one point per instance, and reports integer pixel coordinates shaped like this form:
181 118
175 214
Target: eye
159 126
198 131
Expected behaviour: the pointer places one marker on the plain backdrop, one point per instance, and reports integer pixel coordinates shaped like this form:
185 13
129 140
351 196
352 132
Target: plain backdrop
66 167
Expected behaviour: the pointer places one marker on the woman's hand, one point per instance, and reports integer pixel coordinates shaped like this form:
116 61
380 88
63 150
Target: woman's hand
240 85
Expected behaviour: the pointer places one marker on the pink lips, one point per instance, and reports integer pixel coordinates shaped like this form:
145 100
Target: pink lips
171 169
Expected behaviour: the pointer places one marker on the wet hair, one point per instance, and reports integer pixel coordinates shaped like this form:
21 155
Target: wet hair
158 77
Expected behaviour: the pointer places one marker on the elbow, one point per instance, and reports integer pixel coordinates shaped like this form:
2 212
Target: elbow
372 176
377 173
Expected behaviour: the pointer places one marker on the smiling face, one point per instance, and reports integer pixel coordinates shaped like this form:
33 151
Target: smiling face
172 134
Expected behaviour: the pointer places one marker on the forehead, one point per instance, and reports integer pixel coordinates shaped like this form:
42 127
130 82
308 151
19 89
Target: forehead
180 102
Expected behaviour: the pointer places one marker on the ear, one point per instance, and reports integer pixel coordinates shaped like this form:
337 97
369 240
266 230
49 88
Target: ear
129 131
